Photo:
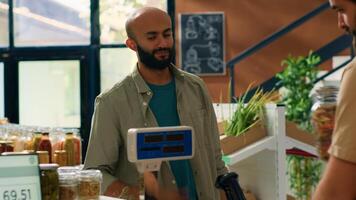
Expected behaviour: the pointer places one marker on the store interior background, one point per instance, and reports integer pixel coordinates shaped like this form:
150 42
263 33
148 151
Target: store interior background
52 63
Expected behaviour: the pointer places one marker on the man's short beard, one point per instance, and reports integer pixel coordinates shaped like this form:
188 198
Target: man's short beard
151 61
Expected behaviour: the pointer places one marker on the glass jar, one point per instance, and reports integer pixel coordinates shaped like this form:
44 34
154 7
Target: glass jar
71 145
28 137
60 157
68 186
6 146
14 135
20 143
57 139
49 181
36 140
45 145
89 184
323 118
68 169
4 121
78 146
43 157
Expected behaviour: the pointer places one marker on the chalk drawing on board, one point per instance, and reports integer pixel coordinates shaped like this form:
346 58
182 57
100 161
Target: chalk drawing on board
202 43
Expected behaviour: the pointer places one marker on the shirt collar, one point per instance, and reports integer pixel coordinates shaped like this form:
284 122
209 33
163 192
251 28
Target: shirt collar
141 85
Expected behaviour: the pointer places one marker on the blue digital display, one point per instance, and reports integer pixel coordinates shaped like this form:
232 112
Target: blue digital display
162 144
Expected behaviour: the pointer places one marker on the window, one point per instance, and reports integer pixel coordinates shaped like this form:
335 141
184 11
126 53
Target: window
2 104
113 14
54 22
49 93
4 23
116 64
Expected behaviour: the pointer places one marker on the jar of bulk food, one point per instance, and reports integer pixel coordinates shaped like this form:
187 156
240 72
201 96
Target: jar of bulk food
89 184
68 186
43 157
49 181
60 157
20 143
45 145
28 138
78 143
71 145
36 140
6 146
57 139
323 118
14 135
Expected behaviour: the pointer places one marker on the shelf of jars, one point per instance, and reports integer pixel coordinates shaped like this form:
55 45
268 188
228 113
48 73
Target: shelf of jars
53 145
59 156
262 165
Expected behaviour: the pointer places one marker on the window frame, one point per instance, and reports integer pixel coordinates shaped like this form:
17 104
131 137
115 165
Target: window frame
89 56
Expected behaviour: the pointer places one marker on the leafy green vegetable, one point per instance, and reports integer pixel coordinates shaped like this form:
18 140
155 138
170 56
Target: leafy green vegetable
249 114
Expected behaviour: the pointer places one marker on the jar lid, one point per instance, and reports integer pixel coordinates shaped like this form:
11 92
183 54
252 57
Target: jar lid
6 142
60 151
68 169
91 174
327 90
68 178
42 152
47 166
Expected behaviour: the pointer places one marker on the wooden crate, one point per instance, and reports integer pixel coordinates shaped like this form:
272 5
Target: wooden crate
294 132
230 144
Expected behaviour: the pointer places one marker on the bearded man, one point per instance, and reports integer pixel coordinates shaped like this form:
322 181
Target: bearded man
156 94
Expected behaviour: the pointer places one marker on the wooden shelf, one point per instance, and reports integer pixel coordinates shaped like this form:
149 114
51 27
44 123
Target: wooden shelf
293 143
262 165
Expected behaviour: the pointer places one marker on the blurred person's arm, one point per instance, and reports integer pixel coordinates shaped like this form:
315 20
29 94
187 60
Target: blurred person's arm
120 189
338 181
160 192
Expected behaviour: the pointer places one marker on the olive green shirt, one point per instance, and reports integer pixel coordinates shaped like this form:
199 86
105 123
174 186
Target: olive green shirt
126 106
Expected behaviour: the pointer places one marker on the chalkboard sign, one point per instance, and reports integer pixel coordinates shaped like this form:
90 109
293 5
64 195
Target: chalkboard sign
202 43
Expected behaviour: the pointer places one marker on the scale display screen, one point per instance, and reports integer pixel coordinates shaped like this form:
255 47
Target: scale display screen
19 177
163 144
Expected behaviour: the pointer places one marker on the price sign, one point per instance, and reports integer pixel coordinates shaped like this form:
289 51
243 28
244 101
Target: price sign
18 192
19 177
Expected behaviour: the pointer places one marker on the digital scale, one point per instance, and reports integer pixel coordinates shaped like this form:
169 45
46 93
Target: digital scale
19 177
148 147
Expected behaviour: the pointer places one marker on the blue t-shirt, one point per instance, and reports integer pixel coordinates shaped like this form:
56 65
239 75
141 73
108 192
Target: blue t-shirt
164 107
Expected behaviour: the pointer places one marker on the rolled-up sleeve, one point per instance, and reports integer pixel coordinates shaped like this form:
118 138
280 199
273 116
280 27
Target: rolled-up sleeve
104 142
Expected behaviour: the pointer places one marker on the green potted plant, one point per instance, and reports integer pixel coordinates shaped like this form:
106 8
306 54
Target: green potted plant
297 81
246 123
